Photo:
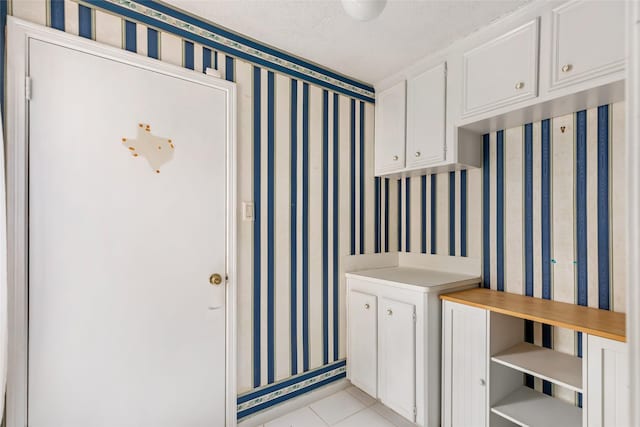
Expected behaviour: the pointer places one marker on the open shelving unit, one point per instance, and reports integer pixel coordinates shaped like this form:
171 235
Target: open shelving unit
600 375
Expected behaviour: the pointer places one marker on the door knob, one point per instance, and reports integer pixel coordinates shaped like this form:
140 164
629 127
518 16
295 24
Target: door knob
366 306
418 154
566 68
215 279
395 158
389 312
519 85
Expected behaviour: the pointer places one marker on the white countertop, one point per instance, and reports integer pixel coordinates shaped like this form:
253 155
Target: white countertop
415 278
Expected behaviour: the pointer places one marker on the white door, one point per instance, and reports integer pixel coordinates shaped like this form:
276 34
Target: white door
127 208
390 129
397 351
464 355
362 359
426 105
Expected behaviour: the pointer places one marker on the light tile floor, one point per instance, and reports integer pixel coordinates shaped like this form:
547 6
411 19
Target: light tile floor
347 408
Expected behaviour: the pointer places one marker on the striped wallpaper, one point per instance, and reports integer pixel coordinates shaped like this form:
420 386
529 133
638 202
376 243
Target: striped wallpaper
541 213
306 161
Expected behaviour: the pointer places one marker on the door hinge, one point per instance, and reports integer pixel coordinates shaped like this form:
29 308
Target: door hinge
414 316
27 88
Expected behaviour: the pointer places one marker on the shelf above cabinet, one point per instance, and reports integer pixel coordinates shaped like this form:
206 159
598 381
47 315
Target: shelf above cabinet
559 368
527 407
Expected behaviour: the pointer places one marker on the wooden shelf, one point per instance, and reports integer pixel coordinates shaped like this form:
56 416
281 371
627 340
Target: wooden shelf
601 323
527 407
559 368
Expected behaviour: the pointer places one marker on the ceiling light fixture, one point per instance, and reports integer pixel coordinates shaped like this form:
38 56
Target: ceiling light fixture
363 10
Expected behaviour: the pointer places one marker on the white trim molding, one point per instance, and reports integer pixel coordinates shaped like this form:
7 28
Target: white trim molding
633 198
19 33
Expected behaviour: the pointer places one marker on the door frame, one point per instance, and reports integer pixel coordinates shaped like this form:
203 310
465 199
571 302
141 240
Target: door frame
633 212
19 33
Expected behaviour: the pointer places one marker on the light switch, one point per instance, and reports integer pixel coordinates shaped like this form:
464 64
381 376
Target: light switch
247 211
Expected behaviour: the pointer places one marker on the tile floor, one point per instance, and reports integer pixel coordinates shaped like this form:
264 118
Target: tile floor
347 408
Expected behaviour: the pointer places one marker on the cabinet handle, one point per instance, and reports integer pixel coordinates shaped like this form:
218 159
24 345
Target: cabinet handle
566 68
389 312
482 382
519 85
395 158
366 306
418 154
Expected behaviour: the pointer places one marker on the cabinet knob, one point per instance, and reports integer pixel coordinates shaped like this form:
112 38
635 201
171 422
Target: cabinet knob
519 85
395 158
482 382
366 306
389 312
418 154
566 68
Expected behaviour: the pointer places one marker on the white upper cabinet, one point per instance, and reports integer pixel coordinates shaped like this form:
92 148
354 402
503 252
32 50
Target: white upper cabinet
502 71
588 41
390 129
426 102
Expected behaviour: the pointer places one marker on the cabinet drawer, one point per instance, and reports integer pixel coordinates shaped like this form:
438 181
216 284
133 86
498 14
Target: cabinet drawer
503 71
580 53
362 359
426 105
390 129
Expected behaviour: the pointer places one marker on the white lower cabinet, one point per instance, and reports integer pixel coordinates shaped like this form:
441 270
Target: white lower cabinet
607 383
399 310
464 355
363 341
397 351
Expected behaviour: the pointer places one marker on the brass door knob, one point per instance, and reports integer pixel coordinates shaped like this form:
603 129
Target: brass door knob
215 279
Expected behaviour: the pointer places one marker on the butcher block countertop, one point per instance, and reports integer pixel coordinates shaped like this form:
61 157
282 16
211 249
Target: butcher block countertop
593 321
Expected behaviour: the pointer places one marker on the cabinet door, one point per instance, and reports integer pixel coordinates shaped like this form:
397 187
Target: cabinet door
397 352
607 383
581 53
390 129
426 101
362 360
503 71
464 347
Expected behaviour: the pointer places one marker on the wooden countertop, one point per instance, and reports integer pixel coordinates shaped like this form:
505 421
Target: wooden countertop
602 323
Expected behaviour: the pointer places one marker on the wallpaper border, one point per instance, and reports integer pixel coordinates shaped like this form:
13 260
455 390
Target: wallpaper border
163 17
263 398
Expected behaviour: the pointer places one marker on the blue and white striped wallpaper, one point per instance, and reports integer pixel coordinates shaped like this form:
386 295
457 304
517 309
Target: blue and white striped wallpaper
541 213
305 150
553 227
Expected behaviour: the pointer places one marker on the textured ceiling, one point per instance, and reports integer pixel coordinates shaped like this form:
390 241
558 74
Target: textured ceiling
320 31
